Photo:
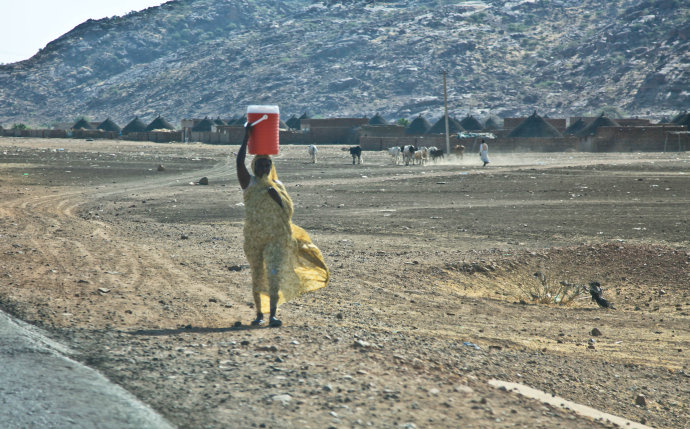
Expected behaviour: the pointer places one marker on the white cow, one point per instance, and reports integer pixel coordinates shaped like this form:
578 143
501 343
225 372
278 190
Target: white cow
408 154
312 152
395 153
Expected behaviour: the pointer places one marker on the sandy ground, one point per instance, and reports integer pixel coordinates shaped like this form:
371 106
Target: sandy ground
433 291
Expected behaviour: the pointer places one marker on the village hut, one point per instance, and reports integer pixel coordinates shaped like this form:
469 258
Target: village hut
601 121
219 122
159 124
576 127
238 122
135 126
293 123
282 125
682 119
82 124
678 117
109 125
304 116
377 120
471 124
418 126
439 127
491 124
204 125
685 121
534 127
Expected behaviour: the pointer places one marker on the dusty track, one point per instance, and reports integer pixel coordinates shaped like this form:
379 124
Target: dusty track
130 266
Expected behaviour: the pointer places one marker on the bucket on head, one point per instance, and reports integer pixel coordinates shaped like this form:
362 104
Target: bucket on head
265 135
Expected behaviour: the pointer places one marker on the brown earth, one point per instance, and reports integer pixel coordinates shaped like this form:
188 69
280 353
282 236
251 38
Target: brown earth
142 273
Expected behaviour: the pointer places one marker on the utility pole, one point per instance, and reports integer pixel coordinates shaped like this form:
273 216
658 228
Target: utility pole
445 107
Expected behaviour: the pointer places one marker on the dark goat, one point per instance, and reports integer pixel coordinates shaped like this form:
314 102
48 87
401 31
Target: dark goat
356 152
596 292
436 153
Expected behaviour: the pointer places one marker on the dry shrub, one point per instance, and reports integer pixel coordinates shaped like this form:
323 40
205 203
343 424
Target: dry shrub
538 289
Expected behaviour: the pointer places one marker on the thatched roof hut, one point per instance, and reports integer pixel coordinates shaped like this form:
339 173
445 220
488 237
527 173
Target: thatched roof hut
82 124
601 121
135 126
471 124
204 125
576 127
378 120
109 125
682 119
239 121
439 127
679 117
305 116
159 124
534 127
491 124
219 122
418 126
293 123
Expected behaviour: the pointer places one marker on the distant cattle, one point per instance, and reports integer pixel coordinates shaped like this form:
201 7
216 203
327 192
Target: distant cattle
395 153
408 154
356 152
421 155
436 154
459 150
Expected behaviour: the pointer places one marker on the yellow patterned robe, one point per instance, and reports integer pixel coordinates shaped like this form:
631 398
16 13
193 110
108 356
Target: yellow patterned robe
281 255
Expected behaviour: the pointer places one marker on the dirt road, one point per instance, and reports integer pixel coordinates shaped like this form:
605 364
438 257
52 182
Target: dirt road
433 288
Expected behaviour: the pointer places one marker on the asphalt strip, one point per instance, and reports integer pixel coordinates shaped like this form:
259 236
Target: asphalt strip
558 402
41 387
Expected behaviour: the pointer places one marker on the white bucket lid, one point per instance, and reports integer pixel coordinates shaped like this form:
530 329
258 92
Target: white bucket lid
254 108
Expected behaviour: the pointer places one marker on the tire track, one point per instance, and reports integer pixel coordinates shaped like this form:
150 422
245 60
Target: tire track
72 256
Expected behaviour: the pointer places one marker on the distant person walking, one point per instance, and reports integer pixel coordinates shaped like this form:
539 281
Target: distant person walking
484 152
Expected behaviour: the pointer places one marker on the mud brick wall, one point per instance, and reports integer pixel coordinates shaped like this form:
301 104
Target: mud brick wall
633 122
331 135
59 134
211 137
95 134
334 123
531 144
382 131
333 130
295 137
155 136
625 139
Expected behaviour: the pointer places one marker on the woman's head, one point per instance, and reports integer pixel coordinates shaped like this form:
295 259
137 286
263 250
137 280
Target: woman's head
262 166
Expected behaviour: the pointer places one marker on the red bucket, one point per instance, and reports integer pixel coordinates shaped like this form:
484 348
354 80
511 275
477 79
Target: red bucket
265 135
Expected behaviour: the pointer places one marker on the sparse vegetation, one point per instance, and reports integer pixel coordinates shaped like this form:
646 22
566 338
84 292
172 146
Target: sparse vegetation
540 289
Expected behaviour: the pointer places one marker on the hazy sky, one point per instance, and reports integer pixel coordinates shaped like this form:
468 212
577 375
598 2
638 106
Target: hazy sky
29 25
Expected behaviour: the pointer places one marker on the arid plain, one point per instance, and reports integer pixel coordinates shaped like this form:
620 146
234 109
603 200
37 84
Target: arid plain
433 291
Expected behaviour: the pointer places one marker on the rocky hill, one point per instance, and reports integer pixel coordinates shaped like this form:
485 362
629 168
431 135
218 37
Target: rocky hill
193 58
